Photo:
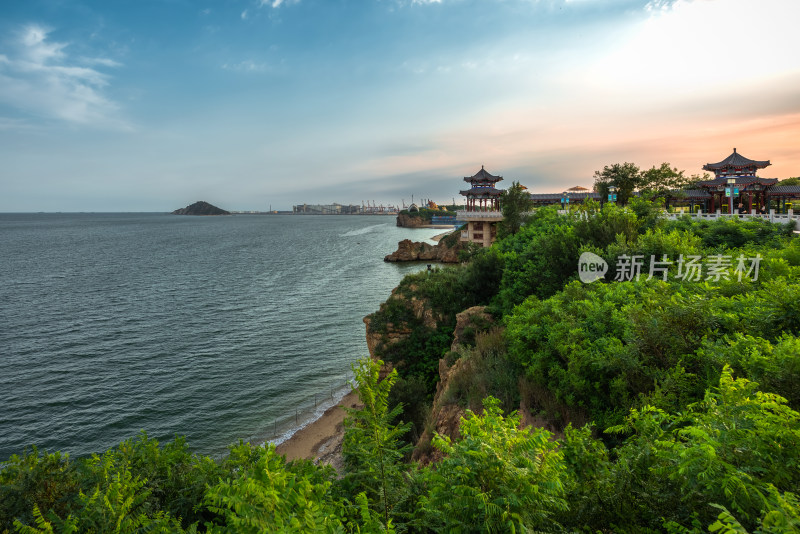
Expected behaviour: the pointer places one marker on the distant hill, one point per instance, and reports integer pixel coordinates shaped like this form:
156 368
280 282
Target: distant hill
201 208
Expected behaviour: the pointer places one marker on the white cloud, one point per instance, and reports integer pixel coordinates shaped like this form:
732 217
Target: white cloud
41 79
277 3
689 45
244 15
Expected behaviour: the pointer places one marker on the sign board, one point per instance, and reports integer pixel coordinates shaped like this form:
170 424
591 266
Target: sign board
727 191
736 191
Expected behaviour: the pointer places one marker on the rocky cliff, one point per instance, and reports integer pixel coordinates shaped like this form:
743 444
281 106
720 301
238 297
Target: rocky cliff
200 208
445 251
406 220
475 367
379 337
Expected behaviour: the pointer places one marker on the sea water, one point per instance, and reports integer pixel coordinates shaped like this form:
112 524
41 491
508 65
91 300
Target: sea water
214 328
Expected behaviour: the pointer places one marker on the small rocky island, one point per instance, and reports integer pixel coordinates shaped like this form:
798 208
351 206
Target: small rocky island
445 251
201 208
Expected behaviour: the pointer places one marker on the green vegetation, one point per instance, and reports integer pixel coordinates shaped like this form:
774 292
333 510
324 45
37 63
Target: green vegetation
516 203
662 181
426 213
673 402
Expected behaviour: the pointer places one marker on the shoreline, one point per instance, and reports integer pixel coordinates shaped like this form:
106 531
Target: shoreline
321 439
439 237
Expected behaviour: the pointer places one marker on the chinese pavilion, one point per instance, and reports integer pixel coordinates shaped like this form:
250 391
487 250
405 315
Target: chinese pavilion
482 211
482 195
738 173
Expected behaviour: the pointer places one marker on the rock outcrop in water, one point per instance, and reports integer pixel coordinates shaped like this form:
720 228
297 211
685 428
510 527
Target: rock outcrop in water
201 208
445 251
406 220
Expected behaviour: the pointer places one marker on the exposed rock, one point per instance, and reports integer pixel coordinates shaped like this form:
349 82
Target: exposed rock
200 208
467 323
445 418
445 251
407 220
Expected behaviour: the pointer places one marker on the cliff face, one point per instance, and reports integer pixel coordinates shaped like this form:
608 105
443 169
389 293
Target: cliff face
475 367
445 416
407 220
390 333
445 413
200 208
444 251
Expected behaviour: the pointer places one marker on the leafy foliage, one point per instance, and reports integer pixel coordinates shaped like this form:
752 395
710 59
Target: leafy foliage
271 496
516 203
372 451
495 478
624 176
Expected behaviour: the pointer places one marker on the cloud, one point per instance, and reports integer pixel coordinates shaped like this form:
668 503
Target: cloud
244 15
688 45
247 65
41 79
277 3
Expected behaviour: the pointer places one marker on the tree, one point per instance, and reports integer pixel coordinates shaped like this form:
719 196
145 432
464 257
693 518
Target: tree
371 448
272 496
625 177
496 478
661 181
515 203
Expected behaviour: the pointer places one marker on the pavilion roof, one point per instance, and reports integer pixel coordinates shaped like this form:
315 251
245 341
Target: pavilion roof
482 192
784 190
556 197
692 193
740 180
483 176
735 161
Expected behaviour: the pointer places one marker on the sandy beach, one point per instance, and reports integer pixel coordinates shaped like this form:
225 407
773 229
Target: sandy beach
321 440
438 237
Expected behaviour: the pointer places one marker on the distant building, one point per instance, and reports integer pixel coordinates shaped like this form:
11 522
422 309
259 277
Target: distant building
326 209
482 211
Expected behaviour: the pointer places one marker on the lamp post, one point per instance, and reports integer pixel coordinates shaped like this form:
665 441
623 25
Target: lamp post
612 193
565 200
731 182
757 188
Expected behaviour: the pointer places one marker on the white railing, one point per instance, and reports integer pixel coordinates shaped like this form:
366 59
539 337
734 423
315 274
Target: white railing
463 215
771 217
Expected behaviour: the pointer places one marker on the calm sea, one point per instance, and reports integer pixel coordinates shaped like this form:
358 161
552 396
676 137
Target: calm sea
215 328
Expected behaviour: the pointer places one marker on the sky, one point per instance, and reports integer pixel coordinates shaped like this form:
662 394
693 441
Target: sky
150 105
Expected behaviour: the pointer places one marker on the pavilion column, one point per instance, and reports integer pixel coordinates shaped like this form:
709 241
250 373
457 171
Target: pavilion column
749 202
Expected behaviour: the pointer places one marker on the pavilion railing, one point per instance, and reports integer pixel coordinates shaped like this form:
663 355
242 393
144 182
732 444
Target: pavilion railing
463 215
771 217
